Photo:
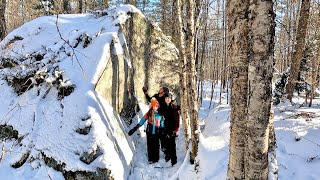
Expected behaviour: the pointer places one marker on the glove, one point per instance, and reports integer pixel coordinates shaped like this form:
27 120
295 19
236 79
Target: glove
144 89
133 130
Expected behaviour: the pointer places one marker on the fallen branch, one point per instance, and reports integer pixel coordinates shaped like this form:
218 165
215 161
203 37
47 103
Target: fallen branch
74 54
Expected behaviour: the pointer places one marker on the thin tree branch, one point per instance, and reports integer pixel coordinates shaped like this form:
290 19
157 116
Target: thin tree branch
74 53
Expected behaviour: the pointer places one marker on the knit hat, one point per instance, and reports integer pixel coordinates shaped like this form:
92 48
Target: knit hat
165 90
168 95
154 103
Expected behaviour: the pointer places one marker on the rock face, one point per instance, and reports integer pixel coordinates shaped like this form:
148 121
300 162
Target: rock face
149 59
154 56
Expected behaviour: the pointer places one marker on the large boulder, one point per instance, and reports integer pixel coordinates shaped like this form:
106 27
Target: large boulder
69 83
147 58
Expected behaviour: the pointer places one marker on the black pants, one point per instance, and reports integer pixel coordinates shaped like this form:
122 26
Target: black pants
171 148
163 142
153 147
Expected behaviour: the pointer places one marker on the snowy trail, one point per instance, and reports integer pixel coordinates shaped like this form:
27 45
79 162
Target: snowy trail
142 170
213 149
297 136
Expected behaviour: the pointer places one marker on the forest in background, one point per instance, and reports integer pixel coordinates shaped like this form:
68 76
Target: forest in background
211 52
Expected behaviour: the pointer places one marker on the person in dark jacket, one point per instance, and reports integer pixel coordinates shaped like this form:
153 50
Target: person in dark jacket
171 123
160 96
155 126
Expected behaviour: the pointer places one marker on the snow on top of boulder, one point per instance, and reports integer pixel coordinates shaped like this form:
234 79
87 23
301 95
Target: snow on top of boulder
49 67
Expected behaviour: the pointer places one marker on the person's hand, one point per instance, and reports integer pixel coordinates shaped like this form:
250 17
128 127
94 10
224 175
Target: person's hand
175 134
133 130
144 89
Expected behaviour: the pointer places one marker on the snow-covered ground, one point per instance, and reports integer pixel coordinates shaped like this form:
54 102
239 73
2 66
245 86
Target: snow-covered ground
298 140
297 135
213 147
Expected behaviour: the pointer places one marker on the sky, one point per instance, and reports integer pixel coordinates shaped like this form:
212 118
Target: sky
48 125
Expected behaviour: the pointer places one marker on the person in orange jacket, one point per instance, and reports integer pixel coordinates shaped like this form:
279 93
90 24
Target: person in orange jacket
155 127
160 97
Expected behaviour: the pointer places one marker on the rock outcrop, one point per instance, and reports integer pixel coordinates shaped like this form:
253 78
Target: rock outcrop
71 83
147 58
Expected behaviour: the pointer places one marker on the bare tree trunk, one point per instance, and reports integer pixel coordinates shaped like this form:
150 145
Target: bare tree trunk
80 6
106 4
144 2
238 30
133 2
163 20
66 6
213 85
226 64
196 44
183 77
3 27
315 73
23 10
272 135
273 166
299 47
262 30
190 53
291 18
203 50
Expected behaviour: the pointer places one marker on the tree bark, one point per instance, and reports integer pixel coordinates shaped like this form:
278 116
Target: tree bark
299 47
183 76
190 53
251 33
315 73
262 30
80 6
132 2
3 27
203 50
238 47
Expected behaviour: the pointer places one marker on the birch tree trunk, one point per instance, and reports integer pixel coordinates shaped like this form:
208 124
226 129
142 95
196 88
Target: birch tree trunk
191 69
315 73
183 76
3 27
299 47
238 48
262 30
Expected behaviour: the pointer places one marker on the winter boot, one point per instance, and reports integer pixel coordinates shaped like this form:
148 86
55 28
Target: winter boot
173 162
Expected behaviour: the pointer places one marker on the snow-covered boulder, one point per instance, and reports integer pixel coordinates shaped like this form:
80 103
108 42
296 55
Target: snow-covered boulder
65 79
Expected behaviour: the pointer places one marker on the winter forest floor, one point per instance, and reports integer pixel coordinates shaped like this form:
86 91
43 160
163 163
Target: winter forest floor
297 136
